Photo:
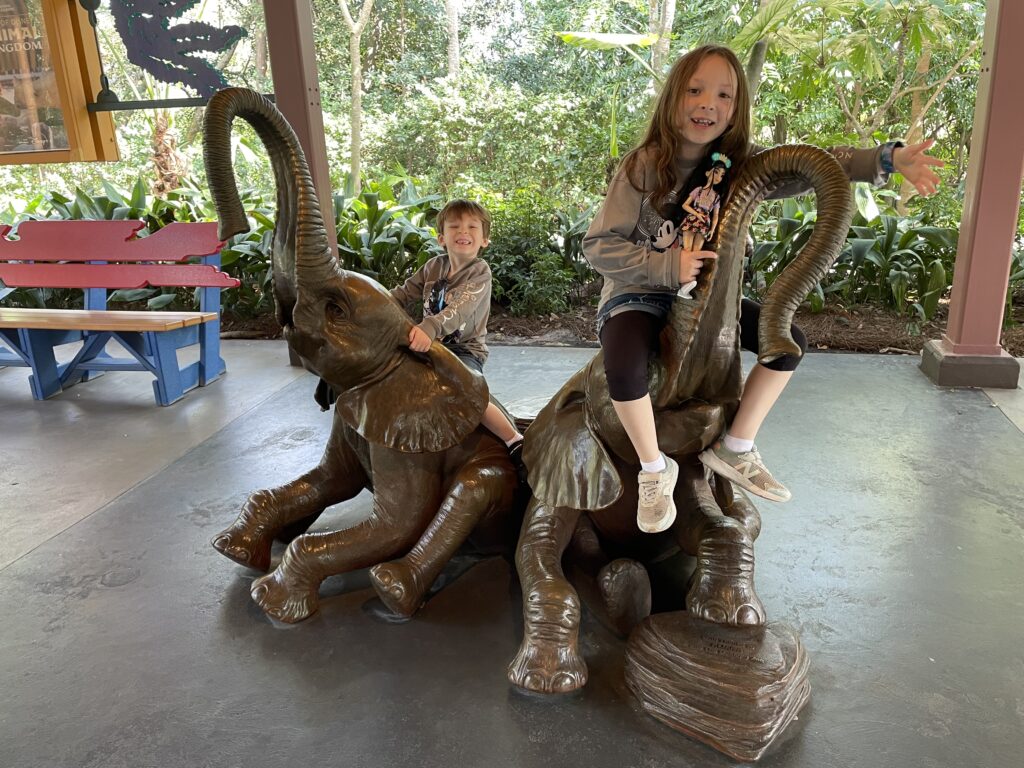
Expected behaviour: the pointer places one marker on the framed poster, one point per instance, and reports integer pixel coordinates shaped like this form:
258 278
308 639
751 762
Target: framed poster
48 61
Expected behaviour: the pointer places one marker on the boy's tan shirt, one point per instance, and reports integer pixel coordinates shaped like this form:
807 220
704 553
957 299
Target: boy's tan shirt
467 307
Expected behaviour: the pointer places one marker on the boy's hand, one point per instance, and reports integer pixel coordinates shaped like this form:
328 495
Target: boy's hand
418 340
916 166
690 263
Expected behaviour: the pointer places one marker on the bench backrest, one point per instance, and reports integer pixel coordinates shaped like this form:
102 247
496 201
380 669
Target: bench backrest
100 255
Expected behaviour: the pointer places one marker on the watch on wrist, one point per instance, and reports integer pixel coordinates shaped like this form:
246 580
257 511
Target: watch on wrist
885 158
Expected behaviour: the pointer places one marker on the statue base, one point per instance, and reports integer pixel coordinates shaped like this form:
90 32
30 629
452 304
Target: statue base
733 688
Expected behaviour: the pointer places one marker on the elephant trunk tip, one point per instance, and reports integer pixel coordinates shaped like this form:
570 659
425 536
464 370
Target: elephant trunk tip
232 225
786 348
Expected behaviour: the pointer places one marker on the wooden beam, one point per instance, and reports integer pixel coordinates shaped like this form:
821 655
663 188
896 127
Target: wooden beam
297 91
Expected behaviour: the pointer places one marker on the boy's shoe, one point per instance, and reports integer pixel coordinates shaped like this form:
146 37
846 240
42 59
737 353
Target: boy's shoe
515 455
746 469
656 511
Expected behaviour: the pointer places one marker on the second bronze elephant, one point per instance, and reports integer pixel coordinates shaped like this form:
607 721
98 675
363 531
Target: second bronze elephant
406 425
582 466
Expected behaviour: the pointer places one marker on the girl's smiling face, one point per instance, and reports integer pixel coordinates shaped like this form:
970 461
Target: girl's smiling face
708 101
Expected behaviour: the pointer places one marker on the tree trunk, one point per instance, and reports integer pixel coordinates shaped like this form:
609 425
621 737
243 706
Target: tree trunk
754 66
779 134
356 27
451 8
357 108
660 18
756 62
261 53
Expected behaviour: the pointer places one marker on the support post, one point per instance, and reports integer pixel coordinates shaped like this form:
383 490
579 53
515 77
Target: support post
297 93
969 353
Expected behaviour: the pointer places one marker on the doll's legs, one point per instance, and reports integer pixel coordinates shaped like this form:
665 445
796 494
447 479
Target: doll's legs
692 240
735 456
628 340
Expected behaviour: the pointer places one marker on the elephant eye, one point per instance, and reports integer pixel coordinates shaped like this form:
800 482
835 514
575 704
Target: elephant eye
336 312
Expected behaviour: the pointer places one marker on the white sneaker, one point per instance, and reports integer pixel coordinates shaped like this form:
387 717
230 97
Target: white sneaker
746 469
656 511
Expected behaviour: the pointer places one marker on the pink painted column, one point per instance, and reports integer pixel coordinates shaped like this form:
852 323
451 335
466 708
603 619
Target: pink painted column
297 91
297 94
969 354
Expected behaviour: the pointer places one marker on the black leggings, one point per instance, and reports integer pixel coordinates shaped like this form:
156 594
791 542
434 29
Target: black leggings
631 337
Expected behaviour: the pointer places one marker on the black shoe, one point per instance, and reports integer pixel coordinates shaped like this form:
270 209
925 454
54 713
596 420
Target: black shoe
515 455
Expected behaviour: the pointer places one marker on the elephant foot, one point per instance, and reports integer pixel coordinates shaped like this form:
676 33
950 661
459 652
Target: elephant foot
547 667
626 591
549 660
723 584
397 587
284 598
247 541
245 546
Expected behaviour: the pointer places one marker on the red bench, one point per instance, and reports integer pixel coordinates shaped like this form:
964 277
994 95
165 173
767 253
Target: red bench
97 256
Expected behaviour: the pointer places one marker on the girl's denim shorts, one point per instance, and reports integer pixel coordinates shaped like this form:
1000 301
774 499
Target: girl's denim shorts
659 304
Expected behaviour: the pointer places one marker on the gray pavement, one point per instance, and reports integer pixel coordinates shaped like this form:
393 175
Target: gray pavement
126 640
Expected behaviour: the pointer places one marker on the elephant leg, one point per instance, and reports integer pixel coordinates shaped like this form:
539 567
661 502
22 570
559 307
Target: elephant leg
722 589
736 504
623 585
548 660
479 489
289 592
268 513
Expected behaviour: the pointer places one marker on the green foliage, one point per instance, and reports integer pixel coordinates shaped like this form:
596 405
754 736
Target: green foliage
1016 286
903 263
538 118
535 252
383 234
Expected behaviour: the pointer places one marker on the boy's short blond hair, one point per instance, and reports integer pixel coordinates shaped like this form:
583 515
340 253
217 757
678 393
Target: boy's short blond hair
459 207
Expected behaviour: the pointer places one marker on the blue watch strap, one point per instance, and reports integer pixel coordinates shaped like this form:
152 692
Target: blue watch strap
885 158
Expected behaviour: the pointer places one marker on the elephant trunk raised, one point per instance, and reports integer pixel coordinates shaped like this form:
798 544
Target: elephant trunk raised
302 259
703 333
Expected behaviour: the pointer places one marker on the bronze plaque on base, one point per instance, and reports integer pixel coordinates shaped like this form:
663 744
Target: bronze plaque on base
734 688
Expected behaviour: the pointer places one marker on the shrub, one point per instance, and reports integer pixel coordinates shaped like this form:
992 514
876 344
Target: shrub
899 263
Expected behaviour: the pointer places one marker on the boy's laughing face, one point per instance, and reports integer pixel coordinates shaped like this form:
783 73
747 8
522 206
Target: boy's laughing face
463 237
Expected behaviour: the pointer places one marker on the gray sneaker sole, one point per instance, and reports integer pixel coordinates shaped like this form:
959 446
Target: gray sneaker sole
662 525
710 460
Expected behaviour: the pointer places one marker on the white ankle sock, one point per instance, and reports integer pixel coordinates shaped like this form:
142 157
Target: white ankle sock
516 439
658 465
737 445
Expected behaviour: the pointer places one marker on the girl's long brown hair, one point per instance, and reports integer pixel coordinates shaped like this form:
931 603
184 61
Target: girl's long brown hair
663 140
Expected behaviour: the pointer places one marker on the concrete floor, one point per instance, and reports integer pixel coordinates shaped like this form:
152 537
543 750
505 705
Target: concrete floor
126 640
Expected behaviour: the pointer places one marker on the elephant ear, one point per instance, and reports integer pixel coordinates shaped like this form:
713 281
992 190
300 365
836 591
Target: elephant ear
568 464
425 404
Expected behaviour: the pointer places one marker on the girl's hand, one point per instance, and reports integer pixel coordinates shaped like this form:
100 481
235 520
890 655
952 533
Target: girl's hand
916 166
418 340
690 263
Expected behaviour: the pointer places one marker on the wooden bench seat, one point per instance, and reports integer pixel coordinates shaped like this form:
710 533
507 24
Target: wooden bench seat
97 256
86 320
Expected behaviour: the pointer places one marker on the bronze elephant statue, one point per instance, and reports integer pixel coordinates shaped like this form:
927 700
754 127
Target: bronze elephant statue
406 425
582 467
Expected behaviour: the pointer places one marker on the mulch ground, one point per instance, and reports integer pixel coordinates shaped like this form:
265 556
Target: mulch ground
837 328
